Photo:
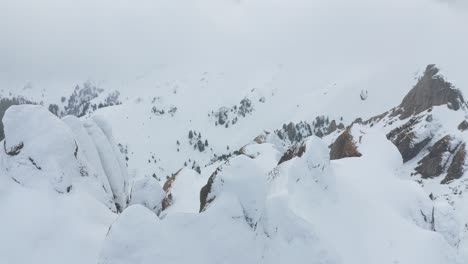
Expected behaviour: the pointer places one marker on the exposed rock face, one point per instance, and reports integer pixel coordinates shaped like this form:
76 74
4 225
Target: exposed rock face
436 162
295 151
332 127
241 181
320 127
207 193
463 125
205 200
344 147
226 116
168 199
457 168
406 139
294 132
430 90
446 156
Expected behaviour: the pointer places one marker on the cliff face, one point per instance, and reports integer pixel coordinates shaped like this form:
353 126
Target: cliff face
431 90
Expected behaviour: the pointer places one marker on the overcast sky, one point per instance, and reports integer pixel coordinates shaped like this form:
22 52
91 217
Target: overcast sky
51 40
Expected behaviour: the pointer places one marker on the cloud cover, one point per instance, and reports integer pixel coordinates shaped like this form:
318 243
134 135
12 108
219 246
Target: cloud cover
55 40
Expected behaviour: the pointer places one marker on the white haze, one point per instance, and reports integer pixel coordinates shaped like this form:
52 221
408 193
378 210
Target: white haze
66 41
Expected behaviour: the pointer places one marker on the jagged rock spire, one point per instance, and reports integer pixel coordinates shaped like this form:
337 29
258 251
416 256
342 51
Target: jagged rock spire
430 90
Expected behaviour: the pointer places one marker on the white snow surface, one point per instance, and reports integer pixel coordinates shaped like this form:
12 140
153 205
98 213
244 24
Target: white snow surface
307 210
64 195
147 192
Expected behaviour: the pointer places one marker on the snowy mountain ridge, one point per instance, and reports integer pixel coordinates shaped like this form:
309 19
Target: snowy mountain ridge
386 189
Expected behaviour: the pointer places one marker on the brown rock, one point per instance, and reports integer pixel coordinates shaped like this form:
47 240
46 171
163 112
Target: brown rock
430 90
344 147
206 190
168 201
295 151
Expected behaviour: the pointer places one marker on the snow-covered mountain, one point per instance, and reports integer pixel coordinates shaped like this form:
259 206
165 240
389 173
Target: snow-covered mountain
166 179
233 131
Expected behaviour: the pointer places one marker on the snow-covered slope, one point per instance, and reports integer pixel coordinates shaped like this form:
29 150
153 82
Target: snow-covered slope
385 189
233 131
56 197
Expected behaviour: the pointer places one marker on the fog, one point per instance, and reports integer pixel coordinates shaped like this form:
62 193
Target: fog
63 40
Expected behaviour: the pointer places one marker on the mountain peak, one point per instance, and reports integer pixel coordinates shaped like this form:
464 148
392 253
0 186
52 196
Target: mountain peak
430 90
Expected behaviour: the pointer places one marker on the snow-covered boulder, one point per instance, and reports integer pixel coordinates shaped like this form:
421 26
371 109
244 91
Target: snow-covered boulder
52 201
310 178
111 159
96 180
364 94
147 192
138 236
219 235
42 151
39 148
129 235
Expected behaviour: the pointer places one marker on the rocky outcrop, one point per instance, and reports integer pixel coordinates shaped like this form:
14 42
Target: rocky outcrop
205 198
332 127
241 181
457 167
430 90
294 132
407 141
295 151
320 127
168 198
226 116
344 146
207 193
463 126
435 163
447 155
